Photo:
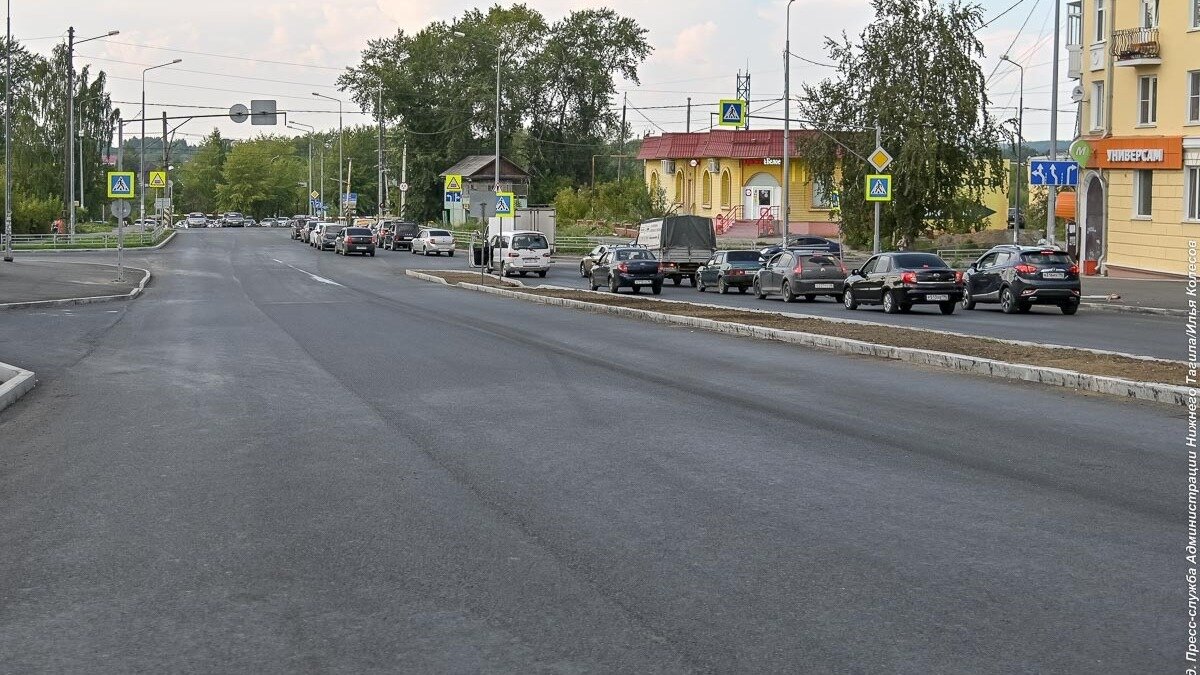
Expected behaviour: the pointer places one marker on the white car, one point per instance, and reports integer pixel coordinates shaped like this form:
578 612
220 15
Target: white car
196 220
433 241
520 252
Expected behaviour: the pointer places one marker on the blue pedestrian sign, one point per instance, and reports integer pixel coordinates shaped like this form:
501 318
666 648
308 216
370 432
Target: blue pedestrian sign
732 113
1046 172
120 185
504 204
879 188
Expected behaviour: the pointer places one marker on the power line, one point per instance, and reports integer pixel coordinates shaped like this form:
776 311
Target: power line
1001 14
205 72
223 56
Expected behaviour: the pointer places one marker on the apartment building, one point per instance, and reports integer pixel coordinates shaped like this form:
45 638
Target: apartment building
1138 67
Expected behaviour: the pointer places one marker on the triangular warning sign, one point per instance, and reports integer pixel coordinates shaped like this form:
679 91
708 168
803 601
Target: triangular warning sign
120 185
733 113
878 188
452 184
158 179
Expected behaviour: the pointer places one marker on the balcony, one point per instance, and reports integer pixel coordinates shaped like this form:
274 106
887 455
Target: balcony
1136 47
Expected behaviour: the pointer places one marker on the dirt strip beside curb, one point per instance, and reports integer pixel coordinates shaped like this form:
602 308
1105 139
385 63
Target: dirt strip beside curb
72 302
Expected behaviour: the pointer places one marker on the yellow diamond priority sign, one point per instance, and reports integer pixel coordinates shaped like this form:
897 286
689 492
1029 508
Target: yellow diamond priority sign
880 159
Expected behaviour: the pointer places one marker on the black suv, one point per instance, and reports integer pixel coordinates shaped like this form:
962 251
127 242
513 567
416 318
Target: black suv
1019 277
397 234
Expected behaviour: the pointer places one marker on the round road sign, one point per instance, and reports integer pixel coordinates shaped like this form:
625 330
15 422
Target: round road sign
239 113
404 187
121 208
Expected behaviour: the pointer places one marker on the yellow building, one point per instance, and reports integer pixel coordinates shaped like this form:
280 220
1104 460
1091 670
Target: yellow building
1138 63
736 177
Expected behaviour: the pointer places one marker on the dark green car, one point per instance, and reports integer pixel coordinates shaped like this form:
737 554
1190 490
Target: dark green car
728 269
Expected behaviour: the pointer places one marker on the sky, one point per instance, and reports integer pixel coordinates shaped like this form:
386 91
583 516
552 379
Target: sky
237 50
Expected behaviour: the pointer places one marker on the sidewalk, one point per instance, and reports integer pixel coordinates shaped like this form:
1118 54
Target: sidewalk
1137 293
45 280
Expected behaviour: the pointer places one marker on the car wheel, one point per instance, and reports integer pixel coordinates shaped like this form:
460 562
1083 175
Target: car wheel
785 289
542 274
848 299
947 307
372 254
1008 301
742 290
758 293
810 296
700 286
890 306
967 301
1070 308
636 289
722 287
613 284
656 289
522 273
677 280
692 280
582 272
593 284
424 251
451 254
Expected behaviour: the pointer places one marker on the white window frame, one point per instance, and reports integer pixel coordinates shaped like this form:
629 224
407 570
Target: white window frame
1147 100
821 200
1138 187
1099 32
1192 115
1196 14
1097 105
1191 194
1148 13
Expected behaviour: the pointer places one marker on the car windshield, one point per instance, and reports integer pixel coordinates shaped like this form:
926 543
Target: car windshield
1046 258
918 261
742 256
531 241
633 254
439 233
357 232
332 231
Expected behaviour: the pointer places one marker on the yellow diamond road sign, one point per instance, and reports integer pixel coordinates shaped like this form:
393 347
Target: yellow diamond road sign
880 159
158 179
314 194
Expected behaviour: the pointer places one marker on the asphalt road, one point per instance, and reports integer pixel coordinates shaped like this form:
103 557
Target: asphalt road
281 461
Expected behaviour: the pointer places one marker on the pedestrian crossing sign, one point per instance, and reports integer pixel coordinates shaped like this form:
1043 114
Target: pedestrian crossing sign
505 204
120 185
879 188
732 113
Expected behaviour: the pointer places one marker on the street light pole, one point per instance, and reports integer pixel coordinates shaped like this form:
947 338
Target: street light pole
379 187
1052 194
341 160
301 127
1020 149
70 130
8 255
787 96
142 145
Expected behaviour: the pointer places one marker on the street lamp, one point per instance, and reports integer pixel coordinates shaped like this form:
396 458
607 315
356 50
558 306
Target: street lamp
341 183
142 144
1020 150
70 130
787 96
8 256
301 127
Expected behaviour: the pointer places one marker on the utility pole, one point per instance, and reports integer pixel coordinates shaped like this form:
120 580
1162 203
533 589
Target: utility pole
166 212
379 197
69 184
1021 147
1052 193
875 245
8 254
404 177
786 165
689 115
624 105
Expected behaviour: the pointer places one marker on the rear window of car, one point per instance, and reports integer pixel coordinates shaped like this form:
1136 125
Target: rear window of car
439 233
1046 258
357 232
530 241
919 260
406 228
633 254
820 261
332 231
742 256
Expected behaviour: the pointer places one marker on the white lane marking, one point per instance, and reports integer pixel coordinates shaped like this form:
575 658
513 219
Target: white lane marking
314 277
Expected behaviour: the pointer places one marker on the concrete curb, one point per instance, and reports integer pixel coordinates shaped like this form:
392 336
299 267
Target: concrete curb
59 251
1146 391
424 276
1134 309
14 383
71 302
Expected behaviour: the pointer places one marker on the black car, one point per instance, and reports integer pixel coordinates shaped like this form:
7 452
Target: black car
815 244
355 240
1019 277
801 273
397 234
627 266
902 279
728 269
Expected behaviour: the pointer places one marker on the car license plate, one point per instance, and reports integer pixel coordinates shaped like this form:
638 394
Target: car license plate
824 285
1054 275
642 282
360 248
938 297
531 259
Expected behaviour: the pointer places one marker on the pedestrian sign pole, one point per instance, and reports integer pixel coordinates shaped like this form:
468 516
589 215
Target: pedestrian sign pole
120 188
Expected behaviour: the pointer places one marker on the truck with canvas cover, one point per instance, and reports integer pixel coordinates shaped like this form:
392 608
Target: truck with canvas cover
682 243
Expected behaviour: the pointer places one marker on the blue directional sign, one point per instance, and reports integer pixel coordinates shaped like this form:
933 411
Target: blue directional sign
452 197
350 198
1046 172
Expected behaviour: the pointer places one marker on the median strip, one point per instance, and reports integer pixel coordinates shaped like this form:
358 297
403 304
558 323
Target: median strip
1114 373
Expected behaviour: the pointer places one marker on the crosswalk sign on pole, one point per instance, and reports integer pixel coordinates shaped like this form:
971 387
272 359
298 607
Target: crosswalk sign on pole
158 180
505 204
732 113
879 188
120 185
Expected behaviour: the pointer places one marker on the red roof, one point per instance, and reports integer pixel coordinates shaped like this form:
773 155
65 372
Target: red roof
724 143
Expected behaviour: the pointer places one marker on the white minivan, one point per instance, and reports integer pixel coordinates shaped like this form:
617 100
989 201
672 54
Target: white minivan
520 252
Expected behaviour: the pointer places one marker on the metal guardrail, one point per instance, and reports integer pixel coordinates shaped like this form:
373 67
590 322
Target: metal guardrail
956 257
91 240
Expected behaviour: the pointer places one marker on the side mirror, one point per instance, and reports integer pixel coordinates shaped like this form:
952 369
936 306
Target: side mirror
971 267
854 272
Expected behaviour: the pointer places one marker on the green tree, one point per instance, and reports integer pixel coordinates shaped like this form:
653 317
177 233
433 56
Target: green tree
262 177
200 176
915 71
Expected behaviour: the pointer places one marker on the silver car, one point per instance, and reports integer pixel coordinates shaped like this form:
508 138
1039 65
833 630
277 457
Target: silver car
433 241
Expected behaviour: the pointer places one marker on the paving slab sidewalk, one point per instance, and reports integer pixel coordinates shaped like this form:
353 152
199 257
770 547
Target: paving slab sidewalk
1170 294
46 280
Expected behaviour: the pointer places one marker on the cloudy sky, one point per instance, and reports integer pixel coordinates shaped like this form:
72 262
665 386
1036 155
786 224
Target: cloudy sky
236 50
